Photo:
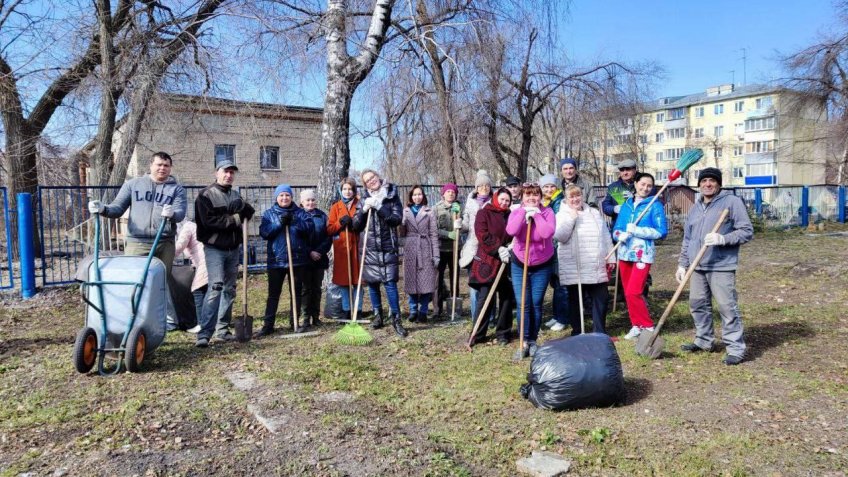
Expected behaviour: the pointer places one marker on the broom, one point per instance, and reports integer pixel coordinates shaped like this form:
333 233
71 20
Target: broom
353 333
686 161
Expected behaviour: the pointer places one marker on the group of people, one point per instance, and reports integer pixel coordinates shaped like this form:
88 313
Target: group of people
519 239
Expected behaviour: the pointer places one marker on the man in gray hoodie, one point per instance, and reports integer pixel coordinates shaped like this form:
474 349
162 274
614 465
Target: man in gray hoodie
715 275
151 199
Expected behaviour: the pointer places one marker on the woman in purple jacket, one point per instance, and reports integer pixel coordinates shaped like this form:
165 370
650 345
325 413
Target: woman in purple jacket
542 223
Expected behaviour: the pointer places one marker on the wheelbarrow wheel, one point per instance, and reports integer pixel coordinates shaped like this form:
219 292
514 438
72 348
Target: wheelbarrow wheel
136 349
85 350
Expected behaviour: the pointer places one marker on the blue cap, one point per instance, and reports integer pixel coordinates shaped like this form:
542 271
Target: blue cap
226 164
283 188
568 160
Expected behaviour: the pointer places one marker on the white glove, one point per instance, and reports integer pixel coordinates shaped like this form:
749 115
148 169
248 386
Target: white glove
167 211
529 212
616 209
373 202
457 224
624 237
503 252
713 239
631 228
435 262
681 272
95 207
627 194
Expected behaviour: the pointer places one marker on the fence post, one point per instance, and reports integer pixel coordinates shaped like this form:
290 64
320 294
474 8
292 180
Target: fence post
840 204
805 206
26 245
758 202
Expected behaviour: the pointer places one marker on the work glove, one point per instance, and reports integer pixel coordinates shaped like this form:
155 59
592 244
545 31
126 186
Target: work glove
617 209
237 218
712 239
247 211
435 262
454 208
624 237
681 272
630 228
286 219
95 207
345 221
529 212
167 211
373 202
452 235
503 253
457 224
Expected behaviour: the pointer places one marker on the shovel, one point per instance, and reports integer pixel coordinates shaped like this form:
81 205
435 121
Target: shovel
485 306
244 324
651 345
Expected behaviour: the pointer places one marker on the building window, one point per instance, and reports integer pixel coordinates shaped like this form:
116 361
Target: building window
737 151
662 175
699 132
719 152
643 139
673 154
763 103
660 117
718 109
659 156
738 106
677 133
738 172
759 146
761 169
699 112
676 113
609 143
759 124
225 152
269 157
718 131
660 137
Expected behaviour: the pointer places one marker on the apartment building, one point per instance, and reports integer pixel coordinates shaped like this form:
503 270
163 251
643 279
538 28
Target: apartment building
757 135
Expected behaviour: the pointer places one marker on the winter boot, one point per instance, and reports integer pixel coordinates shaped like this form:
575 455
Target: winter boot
267 329
346 315
377 319
396 324
422 317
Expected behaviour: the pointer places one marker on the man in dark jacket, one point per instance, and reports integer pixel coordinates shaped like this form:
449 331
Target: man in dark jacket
715 275
619 191
219 212
568 170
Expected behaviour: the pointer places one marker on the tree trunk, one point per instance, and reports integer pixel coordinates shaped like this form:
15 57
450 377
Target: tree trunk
335 145
101 160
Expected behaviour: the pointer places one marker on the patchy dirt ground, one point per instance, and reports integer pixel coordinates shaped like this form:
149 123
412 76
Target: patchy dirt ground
424 406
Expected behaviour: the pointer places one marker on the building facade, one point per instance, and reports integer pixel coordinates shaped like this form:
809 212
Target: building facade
757 135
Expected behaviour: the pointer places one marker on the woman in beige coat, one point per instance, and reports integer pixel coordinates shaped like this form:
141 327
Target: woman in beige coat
420 253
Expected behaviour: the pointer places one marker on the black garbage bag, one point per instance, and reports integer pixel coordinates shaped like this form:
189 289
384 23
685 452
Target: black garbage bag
333 302
179 283
576 372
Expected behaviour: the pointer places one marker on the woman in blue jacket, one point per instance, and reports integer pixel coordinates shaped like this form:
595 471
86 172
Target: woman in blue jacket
636 252
284 213
319 244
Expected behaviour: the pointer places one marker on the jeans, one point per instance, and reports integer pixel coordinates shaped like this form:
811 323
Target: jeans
199 295
222 267
721 285
598 295
419 303
346 298
276 279
472 298
560 301
538 278
391 295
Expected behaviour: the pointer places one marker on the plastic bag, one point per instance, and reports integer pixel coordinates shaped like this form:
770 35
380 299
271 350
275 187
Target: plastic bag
575 372
333 302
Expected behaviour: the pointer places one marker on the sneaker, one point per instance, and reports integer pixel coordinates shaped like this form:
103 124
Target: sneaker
194 329
532 349
693 348
731 360
503 340
633 333
558 327
201 343
649 329
521 353
550 323
225 338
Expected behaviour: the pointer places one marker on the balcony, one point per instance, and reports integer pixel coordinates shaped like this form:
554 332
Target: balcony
676 123
753 158
760 113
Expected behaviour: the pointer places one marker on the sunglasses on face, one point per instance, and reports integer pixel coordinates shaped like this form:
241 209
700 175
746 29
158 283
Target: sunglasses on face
529 184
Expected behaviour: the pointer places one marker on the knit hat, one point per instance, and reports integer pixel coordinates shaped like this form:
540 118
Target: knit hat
710 172
283 188
547 179
512 181
482 179
450 186
568 160
306 194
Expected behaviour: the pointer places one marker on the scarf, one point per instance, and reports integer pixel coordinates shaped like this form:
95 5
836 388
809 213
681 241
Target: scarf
380 193
415 208
481 200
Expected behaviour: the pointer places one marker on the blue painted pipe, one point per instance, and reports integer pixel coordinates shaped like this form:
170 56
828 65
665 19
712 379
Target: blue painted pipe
758 202
25 244
840 201
805 206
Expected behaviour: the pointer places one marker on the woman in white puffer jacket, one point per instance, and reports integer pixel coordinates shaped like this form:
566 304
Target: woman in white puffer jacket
584 241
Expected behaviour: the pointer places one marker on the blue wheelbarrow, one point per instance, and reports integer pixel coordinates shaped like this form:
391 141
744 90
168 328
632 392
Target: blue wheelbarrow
124 319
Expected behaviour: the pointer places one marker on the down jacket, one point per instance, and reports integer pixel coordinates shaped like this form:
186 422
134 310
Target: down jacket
586 238
469 248
275 233
380 252
640 247
419 248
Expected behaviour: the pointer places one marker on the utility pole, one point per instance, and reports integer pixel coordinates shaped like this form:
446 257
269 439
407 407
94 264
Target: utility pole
744 66
733 77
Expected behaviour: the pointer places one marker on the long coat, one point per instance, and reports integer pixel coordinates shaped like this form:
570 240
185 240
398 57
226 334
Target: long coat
490 228
421 245
341 239
380 253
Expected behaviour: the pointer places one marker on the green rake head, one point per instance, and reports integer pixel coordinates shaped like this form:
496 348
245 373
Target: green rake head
686 161
353 334
617 194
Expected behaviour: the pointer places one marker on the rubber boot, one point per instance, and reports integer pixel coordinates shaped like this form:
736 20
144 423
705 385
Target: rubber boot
396 324
377 319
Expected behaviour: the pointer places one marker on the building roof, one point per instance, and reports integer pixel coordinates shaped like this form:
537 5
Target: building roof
672 102
213 103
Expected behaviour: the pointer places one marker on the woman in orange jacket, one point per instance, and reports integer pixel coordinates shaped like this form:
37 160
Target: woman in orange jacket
345 243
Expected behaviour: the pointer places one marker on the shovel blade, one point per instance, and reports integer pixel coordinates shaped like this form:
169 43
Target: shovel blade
244 328
648 350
